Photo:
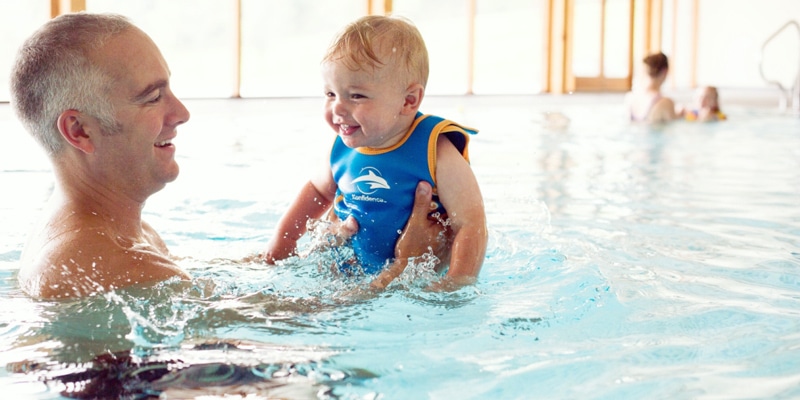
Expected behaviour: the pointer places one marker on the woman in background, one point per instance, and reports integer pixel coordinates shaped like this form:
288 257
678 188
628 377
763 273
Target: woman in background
645 103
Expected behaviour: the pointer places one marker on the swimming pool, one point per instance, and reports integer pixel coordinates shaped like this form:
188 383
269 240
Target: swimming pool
623 262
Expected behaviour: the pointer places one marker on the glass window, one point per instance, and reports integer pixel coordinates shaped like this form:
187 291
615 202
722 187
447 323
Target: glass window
617 36
18 20
284 41
196 37
509 46
587 47
445 28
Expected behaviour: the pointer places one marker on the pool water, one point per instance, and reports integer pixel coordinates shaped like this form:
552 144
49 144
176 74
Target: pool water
624 262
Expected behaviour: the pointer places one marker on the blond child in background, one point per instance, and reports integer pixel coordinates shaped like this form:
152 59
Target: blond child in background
375 74
705 107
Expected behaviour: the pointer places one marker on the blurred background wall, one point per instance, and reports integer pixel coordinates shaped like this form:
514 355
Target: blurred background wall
258 48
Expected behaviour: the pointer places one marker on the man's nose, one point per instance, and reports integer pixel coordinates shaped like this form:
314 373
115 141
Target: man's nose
180 112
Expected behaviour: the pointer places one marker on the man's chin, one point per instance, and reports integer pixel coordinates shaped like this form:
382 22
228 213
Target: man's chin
171 175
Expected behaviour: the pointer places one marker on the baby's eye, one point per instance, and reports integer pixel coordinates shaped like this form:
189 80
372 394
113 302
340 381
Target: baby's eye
356 96
330 94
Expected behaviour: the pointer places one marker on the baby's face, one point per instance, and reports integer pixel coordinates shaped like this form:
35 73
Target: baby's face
706 98
364 106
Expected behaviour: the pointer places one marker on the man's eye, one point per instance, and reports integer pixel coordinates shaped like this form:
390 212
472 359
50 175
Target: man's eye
155 99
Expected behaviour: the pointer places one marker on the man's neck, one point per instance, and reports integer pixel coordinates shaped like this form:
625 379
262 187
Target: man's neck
98 205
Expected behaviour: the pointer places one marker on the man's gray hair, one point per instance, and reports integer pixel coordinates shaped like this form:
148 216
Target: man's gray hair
53 73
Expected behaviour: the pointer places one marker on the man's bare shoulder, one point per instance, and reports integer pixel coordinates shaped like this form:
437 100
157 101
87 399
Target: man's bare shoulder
85 260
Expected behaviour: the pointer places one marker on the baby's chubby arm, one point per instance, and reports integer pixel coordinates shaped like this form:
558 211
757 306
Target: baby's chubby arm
314 199
460 194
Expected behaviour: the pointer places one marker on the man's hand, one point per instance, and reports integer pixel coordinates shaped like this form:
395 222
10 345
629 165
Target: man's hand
420 236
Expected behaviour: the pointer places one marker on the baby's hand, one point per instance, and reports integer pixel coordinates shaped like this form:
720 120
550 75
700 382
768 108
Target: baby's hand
337 231
328 233
344 230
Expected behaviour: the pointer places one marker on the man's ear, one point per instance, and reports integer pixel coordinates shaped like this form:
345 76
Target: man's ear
414 95
71 124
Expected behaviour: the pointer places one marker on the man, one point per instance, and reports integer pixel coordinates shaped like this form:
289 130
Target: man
94 91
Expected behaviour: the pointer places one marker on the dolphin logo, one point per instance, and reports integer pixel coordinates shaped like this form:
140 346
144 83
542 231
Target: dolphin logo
370 182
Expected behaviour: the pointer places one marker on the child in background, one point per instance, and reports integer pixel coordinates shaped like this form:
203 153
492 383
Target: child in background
375 74
706 106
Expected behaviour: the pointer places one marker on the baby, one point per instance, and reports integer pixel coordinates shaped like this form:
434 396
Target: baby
374 76
706 106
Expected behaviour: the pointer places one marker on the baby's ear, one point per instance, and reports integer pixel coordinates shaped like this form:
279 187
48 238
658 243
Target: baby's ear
414 95
71 125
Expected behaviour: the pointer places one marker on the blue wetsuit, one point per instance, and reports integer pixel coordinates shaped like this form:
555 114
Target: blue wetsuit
377 186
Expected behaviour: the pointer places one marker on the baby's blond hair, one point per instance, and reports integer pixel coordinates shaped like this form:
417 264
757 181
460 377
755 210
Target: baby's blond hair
375 41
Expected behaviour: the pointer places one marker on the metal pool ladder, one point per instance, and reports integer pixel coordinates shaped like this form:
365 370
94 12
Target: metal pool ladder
790 96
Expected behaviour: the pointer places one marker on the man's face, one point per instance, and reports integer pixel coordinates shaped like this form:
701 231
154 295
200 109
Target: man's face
139 159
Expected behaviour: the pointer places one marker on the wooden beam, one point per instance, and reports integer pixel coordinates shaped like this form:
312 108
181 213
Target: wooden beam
557 59
568 43
648 26
602 84
602 38
656 22
77 5
70 6
632 24
58 7
548 47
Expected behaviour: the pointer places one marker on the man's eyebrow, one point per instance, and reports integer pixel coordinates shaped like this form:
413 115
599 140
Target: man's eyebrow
160 84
